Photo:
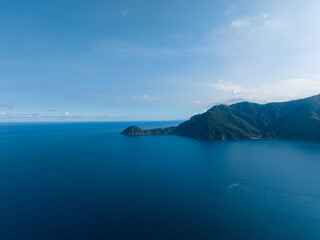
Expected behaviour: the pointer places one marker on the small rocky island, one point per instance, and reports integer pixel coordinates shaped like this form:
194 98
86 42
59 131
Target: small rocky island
298 119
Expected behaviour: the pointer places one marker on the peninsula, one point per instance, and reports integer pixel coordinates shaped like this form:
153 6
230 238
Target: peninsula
298 119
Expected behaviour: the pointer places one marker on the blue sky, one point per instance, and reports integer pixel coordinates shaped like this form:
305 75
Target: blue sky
123 60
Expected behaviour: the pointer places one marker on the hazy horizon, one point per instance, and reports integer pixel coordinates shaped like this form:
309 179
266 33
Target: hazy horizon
87 119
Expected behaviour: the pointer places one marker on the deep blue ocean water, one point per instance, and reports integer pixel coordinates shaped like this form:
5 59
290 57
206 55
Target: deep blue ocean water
85 181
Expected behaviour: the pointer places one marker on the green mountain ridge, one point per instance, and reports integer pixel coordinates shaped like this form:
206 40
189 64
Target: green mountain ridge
298 119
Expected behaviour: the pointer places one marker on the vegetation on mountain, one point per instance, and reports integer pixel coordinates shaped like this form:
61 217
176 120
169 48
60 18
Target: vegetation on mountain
136 131
299 119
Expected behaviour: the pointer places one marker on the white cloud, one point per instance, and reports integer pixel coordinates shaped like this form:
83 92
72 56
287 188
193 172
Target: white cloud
272 23
281 91
232 9
197 113
145 97
203 103
258 23
198 102
240 23
126 12
225 86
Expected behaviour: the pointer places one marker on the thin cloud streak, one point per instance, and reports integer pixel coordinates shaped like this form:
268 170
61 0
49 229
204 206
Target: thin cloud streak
24 63
126 12
67 65
259 25
67 116
145 97
6 106
152 51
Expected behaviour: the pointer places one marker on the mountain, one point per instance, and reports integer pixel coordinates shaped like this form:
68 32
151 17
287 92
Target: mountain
299 119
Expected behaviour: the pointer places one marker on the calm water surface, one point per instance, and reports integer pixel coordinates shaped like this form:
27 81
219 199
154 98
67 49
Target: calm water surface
85 181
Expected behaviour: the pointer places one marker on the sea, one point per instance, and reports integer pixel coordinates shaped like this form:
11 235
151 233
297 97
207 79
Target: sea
86 181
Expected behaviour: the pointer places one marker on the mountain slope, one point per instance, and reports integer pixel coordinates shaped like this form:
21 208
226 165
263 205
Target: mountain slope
219 123
299 119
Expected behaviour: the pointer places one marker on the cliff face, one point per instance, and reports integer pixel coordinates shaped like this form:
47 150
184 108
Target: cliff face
299 119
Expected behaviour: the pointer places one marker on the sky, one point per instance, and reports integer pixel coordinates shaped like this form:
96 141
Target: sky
141 60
